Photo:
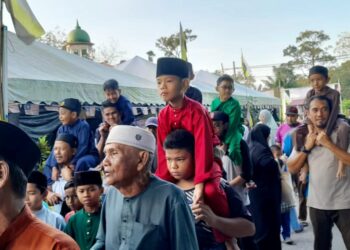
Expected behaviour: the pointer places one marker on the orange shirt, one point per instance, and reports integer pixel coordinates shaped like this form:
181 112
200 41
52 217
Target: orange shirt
28 233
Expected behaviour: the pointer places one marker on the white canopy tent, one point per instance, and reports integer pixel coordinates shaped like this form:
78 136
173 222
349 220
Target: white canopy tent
204 81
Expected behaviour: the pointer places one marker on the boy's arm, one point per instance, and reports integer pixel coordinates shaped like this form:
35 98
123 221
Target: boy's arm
83 137
204 155
333 116
127 117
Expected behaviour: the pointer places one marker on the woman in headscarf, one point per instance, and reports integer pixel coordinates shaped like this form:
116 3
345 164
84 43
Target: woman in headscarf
266 197
265 117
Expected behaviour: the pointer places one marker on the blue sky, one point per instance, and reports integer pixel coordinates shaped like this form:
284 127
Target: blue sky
262 29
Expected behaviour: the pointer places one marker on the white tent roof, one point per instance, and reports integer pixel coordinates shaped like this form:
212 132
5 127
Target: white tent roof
41 73
205 81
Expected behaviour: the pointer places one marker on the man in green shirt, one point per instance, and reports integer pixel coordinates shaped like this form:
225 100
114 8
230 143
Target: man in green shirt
83 225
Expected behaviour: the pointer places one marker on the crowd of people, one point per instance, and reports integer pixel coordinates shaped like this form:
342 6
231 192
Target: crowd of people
189 179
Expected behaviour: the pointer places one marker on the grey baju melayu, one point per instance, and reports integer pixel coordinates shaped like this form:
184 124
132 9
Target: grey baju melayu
157 218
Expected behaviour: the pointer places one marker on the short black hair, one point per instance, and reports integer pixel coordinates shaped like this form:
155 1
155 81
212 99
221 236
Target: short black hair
275 147
180 139
224 77
18 179
110 84
319 70
320 98
109 104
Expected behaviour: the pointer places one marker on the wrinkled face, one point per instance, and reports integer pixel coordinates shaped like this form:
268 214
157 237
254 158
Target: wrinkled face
72 200
34 198
180 163
112 95
225 89
120 164
219 128
292 119
66 116
111 116
63 152
318 113
318 81
89 195
171 88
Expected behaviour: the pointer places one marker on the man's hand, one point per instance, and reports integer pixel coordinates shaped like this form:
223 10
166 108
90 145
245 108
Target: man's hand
323 139
204 213
53 198
310 138
103 129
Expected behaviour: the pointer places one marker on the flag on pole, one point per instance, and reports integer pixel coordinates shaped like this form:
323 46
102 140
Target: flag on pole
183 46
25 23
245 67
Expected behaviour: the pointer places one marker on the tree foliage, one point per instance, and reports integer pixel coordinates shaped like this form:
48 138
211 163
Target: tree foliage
170 45
342 74
55 38
150 55
284 77
342 47
309 50
249 82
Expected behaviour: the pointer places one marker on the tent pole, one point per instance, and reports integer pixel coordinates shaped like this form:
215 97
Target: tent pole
2 101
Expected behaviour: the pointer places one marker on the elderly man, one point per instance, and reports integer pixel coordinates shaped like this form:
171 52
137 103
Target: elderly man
140 211
19 229
329 197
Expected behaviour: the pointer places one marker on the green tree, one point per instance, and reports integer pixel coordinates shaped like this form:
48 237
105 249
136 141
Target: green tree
309 50
248 82
342 47
284 77
55 38
342 74
150 55
170 45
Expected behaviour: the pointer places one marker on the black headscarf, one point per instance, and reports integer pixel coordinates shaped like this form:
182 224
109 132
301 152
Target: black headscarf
259 134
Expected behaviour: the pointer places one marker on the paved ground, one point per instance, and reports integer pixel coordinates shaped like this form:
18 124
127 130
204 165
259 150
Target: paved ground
304 240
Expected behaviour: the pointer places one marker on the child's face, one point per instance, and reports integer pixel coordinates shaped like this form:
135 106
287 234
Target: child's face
89 195
318 81
171 88
111 116
112 95
219 128
225 89
34 198
66 116
72 200
180 163
63 152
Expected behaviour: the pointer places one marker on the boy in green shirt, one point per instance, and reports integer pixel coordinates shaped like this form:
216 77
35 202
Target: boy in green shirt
83 225
230 106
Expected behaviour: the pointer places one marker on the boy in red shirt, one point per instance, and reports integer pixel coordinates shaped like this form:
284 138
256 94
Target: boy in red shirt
184 113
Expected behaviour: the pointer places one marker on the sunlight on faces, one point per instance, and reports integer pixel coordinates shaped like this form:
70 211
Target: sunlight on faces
71 199
318 113
171 88
225 90
318 81
180 163
66 116
63 152
111 116
89 195
121 164
34 198
112 95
